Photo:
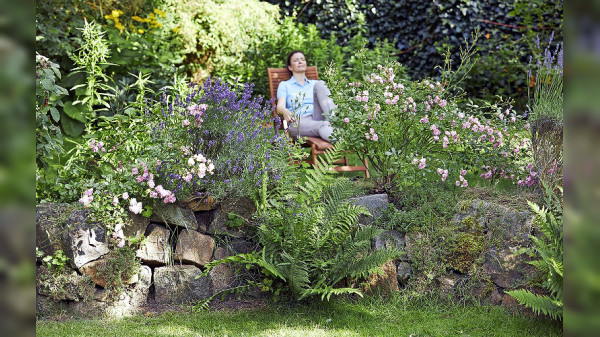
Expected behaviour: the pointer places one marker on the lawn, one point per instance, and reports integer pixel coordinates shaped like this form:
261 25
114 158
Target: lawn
393 317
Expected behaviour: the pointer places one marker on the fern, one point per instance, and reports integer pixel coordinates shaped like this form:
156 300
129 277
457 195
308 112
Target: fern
310 234
538 303
549 250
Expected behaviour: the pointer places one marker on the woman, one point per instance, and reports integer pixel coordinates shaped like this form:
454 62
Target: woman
303 102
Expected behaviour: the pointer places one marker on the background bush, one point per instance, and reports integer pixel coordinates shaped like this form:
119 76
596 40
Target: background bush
420 30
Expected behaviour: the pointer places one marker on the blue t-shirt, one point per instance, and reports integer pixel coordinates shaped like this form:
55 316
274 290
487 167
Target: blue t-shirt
293 91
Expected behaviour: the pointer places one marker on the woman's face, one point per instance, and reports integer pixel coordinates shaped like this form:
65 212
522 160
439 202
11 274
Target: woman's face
297 63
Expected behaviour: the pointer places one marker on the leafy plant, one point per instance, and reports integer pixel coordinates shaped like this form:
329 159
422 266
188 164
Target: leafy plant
55 262
548 249
89 58
401 127
311 238
48 96
119 265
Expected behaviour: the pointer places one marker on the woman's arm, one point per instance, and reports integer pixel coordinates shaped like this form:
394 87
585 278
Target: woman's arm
283 111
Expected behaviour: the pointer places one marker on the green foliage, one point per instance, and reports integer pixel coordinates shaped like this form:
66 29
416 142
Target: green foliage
234 221
310 236
319 51
55 262
64 284
414 131
419 208
548 249
432 27
119 265
48 96
89 59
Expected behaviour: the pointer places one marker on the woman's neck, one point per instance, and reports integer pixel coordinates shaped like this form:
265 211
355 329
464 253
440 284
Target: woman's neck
300 77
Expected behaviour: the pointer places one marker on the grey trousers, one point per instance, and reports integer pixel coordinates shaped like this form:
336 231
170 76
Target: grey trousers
315 125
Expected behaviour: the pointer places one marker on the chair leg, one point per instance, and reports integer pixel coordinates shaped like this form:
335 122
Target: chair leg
313 155
367 175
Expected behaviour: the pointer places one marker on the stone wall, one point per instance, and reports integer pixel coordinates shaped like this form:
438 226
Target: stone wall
178 243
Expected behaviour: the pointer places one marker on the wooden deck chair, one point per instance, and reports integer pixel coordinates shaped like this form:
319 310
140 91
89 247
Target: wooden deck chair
318 145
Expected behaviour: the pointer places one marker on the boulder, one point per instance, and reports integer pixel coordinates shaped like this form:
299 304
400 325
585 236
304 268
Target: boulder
243 207
135 226
126 303
174 215
92 270
178 284
506 231
386 283
375 203
63 284
204 219
389 239
49 227
83 242
221 276
193 247
509 227
403 272
156 250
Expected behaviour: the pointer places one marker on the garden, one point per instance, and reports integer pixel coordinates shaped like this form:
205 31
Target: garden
170 201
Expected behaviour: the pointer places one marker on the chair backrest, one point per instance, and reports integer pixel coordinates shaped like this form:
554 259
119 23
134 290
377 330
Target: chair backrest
278 75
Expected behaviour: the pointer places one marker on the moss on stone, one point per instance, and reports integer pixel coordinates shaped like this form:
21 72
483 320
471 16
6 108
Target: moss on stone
465 251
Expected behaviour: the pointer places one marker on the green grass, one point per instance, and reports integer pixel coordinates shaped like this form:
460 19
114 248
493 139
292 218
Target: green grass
337 318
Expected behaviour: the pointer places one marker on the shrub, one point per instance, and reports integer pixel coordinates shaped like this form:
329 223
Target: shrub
213 140
404 127
48 98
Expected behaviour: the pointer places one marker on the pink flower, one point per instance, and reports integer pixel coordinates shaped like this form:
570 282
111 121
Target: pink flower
463 172
347 120
125 195
153 194
461 115
526 126
162 192
169 199
457 183
86 199
134 170
188 178
115 201
371 130
375 137
513 119
440 171
424 119
135 206
151 183
422 163
415 161
186 122
465 183
140 179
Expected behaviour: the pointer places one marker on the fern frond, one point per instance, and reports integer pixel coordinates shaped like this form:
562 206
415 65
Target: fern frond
328 291
538 303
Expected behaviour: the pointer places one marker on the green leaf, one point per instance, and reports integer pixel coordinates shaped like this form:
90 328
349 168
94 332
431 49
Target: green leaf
55 114
71 126
76 112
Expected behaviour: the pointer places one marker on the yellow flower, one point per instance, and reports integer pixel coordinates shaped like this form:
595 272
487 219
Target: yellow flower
137 18
175 30
141 31
119 26
151 15
108 17
116 13
159 12
156 24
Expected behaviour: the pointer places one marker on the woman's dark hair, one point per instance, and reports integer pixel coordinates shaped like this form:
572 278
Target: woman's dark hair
289 58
